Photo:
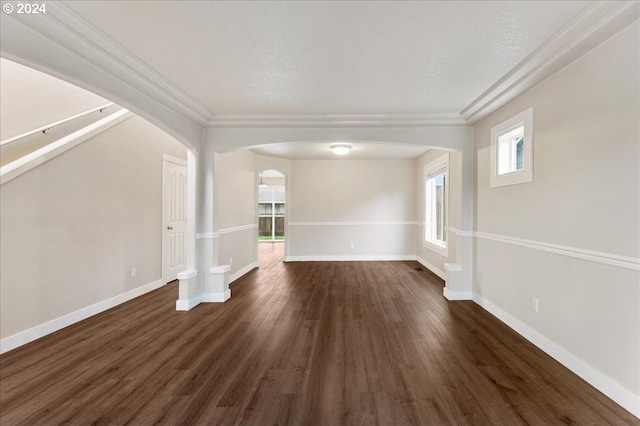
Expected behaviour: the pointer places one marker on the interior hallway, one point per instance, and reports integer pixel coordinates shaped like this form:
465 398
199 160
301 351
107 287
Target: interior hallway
312 343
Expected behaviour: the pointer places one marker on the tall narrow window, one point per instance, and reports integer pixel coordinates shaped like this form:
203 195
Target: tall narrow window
512 150
436 204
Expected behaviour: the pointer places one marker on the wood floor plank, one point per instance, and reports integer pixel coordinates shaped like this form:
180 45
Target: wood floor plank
305 343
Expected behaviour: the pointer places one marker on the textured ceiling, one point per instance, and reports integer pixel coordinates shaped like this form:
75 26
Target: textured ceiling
330 57
359 151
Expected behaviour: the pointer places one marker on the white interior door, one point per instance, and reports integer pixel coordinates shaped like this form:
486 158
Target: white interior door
174 217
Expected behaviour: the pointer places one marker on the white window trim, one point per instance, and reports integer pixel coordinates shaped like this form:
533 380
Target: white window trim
430 169
520 176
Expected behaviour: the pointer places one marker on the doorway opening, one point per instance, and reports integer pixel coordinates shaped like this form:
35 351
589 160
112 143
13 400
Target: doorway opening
271 213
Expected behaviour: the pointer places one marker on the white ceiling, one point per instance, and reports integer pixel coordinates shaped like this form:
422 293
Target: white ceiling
308 64
330 57
359 151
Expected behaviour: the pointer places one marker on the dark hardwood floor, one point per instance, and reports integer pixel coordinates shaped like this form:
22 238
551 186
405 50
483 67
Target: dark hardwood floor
323 343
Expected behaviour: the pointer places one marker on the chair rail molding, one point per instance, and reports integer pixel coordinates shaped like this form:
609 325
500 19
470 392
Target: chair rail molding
579 253
592 255
237 229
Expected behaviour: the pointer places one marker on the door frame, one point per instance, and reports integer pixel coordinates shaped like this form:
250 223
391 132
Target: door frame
166 158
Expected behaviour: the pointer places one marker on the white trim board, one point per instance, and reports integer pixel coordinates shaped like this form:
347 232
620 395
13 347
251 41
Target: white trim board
187 304
214 235
350 258
456 295
54 124
433 268
237 229
215 297
337 120
619 394
371 223
24 337
207 236
595 256
243 271
172 159
184 305
24 164
575 252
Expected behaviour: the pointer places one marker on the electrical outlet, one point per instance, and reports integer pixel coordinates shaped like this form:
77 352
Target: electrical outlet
352 245
134 272
534 304
230 261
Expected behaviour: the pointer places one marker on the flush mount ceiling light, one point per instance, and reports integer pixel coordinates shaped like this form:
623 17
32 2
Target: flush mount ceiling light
340 148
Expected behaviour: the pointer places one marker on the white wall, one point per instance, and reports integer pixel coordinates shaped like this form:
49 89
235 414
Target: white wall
459 138
236 206
585 195
236 219
31 99
73 227
337 202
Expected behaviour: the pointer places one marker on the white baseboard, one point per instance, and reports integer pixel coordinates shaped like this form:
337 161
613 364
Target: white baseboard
241 272
619 394
349 258
457 295
187 304
24 337
439 272
215 297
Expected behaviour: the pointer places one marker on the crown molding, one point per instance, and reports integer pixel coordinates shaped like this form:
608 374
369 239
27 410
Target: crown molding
337 120
596 23
77 35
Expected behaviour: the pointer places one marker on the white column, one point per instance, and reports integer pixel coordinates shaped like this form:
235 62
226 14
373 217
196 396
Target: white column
190 286
215 277
205 280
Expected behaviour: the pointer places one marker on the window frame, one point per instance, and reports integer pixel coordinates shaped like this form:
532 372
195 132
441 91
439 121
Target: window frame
525 175
431 170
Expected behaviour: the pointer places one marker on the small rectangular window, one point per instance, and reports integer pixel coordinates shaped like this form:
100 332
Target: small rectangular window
512 150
